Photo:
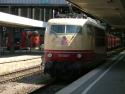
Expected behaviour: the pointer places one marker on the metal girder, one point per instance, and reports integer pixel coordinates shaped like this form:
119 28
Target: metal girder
112 11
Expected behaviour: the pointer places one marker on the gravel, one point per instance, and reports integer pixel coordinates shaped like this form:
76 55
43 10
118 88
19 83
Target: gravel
25 85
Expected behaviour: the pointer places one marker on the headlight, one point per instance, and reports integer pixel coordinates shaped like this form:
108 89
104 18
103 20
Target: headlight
79 55
49 55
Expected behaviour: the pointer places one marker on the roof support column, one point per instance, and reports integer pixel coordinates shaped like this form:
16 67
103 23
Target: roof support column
11 39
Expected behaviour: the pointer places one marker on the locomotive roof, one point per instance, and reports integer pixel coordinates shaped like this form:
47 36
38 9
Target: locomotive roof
67 21
74 21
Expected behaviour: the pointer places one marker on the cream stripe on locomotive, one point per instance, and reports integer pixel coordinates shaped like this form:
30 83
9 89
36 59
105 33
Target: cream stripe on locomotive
77 42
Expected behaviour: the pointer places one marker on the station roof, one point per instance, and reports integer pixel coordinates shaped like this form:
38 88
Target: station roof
112 11
17 21
33 2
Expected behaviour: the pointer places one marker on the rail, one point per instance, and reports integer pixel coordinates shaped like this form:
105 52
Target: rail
16 75
20 60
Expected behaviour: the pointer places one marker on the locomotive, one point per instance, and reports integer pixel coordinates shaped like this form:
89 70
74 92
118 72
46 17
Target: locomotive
72 45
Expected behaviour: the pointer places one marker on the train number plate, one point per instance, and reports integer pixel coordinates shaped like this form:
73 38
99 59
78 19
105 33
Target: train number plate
63 55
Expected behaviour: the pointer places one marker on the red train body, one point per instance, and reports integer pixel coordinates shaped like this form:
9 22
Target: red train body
112 41
24 40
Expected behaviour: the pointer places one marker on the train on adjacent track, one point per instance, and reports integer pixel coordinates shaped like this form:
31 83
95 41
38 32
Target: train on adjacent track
73 45
24 39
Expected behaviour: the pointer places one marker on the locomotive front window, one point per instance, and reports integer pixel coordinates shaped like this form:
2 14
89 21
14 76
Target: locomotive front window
58 28
73 29
65 29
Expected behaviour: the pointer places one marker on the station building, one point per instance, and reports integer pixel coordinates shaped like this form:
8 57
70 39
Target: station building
35 9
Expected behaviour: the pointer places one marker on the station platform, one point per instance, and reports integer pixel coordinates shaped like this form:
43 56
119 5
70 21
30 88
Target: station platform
106 79
11 63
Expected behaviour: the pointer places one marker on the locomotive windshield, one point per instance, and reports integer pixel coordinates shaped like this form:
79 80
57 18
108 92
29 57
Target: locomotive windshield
58 28
65 28
72 29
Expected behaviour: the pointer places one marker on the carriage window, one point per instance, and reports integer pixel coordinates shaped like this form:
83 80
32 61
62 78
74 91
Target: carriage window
58 28
73 29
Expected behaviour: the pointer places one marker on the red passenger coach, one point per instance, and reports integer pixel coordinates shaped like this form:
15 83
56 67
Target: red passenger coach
24 39
10 40
31 39
113 41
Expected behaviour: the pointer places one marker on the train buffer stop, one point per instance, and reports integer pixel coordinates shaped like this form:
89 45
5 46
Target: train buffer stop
106 79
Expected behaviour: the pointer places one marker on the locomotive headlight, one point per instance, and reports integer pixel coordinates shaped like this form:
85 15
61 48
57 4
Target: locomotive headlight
49 55
79 55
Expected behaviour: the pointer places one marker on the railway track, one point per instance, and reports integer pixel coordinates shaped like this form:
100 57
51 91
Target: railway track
18 74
